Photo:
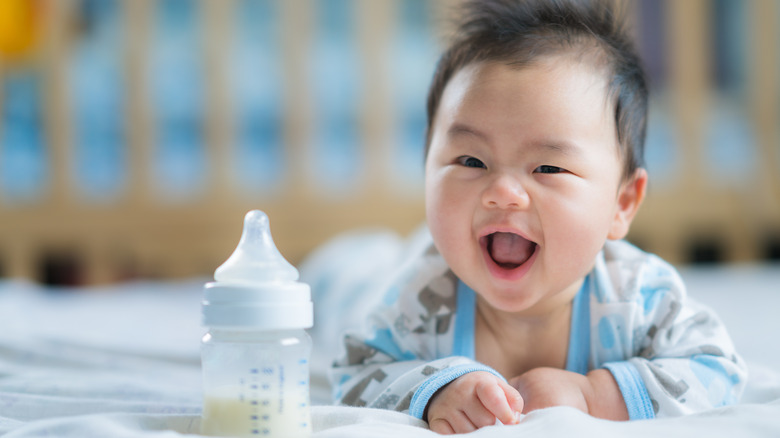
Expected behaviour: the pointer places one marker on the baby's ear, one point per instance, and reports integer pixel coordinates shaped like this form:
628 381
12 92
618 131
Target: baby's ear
630 197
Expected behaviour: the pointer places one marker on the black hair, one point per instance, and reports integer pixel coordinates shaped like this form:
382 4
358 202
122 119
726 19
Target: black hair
518 32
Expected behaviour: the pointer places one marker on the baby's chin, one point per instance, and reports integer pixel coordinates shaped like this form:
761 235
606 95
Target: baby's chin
523 301
506 299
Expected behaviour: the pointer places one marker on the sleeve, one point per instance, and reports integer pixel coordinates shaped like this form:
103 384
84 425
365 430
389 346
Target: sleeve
681 359
369 377
405 355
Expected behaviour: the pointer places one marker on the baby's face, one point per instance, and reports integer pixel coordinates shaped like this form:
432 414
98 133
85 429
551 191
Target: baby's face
522 179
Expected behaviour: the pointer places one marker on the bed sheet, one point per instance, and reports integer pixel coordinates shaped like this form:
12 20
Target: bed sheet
124 361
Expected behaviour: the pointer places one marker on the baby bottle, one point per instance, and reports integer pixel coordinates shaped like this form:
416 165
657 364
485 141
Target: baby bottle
256 353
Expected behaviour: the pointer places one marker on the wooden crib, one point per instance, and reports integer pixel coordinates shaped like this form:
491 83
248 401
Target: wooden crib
61 239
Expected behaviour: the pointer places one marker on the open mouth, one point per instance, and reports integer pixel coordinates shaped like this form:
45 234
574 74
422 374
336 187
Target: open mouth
508 250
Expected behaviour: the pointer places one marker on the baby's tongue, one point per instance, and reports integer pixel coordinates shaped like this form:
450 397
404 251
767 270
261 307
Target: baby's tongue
510 250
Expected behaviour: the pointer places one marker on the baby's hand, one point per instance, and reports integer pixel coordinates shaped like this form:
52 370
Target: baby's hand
472 401
596 393
546 387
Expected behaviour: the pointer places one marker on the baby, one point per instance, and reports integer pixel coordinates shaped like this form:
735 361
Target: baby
527 297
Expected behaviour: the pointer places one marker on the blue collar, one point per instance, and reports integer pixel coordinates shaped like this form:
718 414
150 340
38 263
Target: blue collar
577 357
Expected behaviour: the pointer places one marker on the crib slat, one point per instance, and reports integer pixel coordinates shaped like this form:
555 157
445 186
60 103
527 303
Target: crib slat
764 89
219 142
57 121
139 139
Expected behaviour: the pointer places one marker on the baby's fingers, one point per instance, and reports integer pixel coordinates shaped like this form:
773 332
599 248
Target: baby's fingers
441 426
501 400
513 397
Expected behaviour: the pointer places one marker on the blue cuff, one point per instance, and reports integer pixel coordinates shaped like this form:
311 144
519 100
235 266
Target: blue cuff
633 388
434 383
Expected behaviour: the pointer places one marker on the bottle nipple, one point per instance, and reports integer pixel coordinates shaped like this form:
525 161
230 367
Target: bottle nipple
256 258
256 287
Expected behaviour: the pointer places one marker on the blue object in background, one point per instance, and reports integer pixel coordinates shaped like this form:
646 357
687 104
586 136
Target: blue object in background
414 55
24 159
177 91
98 107
662 158
729 33
652 43
256 82
731 145
337 156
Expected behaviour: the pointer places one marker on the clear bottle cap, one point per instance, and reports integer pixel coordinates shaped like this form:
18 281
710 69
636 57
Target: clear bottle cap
256 288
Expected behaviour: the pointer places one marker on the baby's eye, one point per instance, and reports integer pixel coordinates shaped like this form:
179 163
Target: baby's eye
549 169
471 162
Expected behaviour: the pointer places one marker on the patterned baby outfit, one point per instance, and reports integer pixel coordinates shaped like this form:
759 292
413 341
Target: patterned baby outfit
669 355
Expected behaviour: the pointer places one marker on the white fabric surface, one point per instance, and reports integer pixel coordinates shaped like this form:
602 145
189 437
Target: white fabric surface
124 361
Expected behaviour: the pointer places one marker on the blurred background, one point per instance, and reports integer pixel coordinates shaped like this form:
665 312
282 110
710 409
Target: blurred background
135 134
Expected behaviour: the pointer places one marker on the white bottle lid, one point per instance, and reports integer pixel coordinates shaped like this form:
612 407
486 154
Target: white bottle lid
256 288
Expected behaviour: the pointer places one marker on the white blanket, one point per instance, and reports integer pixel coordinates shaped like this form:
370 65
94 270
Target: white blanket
124 361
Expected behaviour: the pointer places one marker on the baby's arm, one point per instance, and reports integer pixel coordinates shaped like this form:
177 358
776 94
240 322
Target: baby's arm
472 401
596 393
379 374
384 379
669 355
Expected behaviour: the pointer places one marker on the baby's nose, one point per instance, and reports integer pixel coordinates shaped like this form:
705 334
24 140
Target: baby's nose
505 192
